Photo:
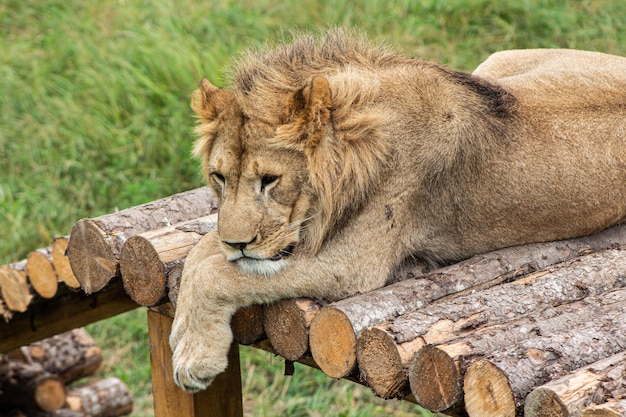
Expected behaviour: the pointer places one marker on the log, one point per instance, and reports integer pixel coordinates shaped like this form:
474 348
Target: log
534 361
395 342
487 391
529 363
569 281
287 324
41 273
95 244
173 283
344 320
14 287
523 337
383 364
571 394
61 263
30 387
105 398
247 325
71 355
435 382
613 408
147 259
62 313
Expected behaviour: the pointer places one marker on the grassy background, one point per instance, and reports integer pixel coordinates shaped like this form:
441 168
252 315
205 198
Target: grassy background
94 117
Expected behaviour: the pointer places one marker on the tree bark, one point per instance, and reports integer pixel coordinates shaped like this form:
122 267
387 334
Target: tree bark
14 287
62 313
383 353
594 273
105 398
534 361
247 325
30 387
571 394
71 355
613 408
147 259
41 273
61 263
537 360
96 244
346 319
173 283
287 324
526 338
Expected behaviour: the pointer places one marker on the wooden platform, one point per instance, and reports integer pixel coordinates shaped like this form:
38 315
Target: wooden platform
537 329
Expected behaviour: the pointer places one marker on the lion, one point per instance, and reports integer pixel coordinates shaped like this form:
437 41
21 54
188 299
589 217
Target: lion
336 161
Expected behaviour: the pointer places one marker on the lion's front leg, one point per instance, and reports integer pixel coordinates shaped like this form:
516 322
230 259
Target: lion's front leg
201 335
200 341
201 345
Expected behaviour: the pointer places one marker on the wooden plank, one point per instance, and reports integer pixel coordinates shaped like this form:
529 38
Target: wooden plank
221 399
60 314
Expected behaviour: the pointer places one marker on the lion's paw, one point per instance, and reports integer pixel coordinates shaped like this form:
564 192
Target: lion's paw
196 368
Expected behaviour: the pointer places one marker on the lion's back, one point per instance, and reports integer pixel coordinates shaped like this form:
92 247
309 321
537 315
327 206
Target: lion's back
558 76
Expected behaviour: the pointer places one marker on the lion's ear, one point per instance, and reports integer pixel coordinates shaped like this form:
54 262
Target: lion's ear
308 114
208 100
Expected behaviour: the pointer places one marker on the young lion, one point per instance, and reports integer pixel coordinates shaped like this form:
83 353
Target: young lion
335 161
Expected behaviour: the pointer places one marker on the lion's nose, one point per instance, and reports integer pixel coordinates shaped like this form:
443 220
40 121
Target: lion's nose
239 245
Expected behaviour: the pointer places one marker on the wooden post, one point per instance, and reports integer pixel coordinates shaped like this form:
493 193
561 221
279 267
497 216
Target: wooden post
221 399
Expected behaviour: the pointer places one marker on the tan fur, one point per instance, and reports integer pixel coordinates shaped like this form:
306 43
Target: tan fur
335 161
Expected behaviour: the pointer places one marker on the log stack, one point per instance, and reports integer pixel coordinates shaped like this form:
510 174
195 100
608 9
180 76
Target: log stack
485 336
535 330
44 274
35 380
96 244
89 259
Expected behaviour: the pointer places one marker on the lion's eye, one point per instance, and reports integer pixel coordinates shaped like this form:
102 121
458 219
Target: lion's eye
268 181
218 178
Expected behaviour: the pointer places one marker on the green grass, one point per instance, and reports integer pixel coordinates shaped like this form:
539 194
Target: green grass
94 117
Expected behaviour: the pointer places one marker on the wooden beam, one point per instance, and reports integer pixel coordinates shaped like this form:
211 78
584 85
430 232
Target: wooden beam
60 314
221 399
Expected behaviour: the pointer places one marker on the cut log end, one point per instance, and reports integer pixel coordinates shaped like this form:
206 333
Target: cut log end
61 263
543 402
333 342
381 365
434 379
91 258
287 329
41 274
487 391
14 288
142 271
50 394
107 398
247 324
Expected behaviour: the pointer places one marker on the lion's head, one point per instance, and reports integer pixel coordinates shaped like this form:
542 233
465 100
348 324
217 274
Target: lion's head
290 151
